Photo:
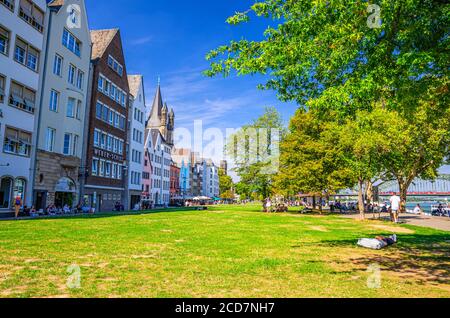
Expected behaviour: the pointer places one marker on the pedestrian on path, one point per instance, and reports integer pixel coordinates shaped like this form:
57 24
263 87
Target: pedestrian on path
17 205
395 206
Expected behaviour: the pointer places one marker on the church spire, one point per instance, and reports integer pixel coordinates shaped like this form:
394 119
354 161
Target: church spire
154 120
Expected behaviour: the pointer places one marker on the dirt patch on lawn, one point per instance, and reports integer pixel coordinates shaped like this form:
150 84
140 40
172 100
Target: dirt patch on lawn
319 228
393 229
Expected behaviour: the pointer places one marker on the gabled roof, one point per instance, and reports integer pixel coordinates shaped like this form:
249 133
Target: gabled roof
134 82
100 41
153 134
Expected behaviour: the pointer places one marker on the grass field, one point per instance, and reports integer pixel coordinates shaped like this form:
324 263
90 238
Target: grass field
224 252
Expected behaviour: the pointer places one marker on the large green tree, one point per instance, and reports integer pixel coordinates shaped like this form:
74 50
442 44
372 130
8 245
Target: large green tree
254 149
339 58
225 185
312 161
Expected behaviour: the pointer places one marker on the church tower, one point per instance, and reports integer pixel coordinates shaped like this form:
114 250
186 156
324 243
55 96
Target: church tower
171 127
161 119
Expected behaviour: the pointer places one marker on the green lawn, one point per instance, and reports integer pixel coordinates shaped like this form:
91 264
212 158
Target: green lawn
224 252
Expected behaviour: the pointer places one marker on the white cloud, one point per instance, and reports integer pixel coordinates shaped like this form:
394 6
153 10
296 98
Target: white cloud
142 40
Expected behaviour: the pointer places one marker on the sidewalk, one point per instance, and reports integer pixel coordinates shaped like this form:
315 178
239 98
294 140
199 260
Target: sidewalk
435 222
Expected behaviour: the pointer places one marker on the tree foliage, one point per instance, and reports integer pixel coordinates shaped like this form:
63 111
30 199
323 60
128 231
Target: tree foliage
379 94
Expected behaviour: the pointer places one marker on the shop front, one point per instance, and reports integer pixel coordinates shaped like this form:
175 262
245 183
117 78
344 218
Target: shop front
10 189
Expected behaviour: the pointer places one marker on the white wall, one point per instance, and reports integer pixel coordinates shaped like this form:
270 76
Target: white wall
59 120
18 166
139 104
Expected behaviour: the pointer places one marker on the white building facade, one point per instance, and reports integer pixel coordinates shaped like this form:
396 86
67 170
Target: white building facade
60 121
22 30
136 140
210 179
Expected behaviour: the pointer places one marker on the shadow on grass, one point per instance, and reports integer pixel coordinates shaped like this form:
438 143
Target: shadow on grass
424 258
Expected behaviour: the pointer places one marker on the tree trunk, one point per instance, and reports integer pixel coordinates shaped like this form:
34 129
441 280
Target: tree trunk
320 205
314 202
369 192
361 205
403 195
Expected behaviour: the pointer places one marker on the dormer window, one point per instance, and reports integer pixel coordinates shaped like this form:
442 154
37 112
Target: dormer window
116 66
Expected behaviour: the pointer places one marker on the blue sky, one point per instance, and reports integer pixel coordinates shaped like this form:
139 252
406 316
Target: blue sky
170 39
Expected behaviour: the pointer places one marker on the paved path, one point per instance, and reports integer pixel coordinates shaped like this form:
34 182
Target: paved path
435 222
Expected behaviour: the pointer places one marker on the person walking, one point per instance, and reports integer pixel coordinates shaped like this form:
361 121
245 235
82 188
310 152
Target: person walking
17 206
395 207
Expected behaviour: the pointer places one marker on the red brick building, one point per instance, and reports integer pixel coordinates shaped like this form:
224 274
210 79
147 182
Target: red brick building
174 181
106 158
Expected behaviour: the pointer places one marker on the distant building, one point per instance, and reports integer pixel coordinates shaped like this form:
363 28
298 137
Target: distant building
147 178
224 166
174 181
136 139
106 153
182 158
210 179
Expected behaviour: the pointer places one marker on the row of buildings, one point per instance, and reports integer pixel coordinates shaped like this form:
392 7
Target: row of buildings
73 126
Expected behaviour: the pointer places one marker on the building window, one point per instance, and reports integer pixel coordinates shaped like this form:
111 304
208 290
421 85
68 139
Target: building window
78 112
103 141
108 169
2 88
105 113
116 66
4 40
71 42
114 171
97 138
22 97
57 65
32 14
26 55
75 145
80 79
109 142
119 172
101 172
122 122
50 139
95 166
101 82
111 117
17 142
71 107
67 142
71 77
54 100
98 110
